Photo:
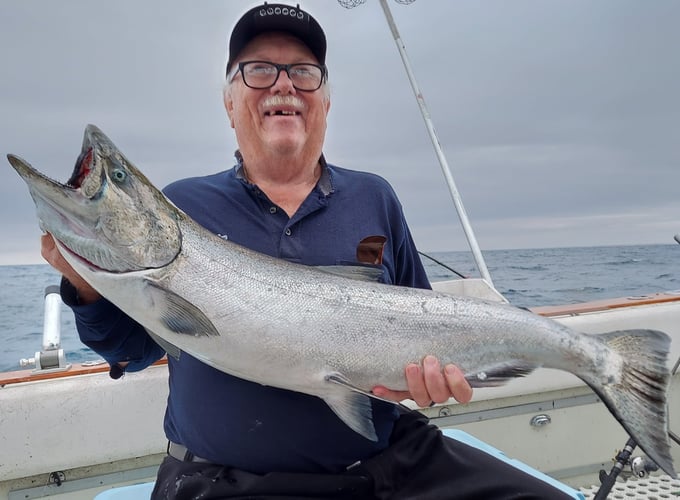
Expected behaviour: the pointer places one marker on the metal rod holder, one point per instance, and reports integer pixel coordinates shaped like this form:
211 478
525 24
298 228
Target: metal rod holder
51 358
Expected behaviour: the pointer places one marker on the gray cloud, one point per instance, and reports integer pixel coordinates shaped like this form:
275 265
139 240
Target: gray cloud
559 119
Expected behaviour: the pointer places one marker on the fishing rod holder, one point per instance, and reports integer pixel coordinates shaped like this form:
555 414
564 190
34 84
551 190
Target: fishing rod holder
641 466
51 358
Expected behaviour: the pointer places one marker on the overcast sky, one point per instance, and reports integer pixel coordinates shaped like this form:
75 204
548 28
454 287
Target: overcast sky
560 119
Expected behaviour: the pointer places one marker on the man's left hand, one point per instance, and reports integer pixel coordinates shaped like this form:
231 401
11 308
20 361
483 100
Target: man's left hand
430 384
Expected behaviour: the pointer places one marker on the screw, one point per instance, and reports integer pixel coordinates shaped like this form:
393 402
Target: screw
57 477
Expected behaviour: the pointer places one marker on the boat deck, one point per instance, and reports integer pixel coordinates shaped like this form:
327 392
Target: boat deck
651 488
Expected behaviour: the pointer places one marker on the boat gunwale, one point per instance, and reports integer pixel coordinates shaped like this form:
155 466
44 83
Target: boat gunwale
607 304
77 369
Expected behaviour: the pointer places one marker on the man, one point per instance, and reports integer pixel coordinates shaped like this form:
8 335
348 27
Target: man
283 199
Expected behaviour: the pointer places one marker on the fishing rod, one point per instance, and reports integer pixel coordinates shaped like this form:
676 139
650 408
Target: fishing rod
608 480
442 264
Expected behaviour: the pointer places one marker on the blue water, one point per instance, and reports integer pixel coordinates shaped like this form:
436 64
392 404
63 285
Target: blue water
526 278
550 276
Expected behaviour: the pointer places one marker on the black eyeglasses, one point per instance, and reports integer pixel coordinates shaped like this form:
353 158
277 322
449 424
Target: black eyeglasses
307 77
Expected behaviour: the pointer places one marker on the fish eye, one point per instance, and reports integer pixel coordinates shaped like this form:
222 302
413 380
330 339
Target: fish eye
118 174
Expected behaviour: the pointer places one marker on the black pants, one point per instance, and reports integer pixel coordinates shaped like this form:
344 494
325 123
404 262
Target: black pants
420 463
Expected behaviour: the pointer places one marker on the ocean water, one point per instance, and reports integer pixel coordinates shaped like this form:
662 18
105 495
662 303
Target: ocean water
525 277
548 276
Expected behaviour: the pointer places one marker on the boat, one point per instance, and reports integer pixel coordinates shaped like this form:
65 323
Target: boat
72 432
69 431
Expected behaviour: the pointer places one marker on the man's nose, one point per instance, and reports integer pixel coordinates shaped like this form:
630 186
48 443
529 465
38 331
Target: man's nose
283 82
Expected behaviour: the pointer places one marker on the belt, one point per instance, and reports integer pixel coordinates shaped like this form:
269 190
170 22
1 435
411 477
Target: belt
180 452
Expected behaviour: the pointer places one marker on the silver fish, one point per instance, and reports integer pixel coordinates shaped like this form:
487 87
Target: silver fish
309 330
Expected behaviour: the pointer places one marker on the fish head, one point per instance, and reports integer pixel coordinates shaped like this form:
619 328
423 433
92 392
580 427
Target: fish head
107 215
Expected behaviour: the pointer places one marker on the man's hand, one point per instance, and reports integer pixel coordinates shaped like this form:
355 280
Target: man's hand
50 252
430 384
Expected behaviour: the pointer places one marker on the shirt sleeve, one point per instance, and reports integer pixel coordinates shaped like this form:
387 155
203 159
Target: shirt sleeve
111 333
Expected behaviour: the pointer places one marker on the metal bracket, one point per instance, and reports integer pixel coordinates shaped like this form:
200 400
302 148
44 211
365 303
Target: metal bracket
51 358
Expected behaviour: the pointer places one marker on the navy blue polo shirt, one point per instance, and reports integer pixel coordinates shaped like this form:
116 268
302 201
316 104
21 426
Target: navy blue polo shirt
239 423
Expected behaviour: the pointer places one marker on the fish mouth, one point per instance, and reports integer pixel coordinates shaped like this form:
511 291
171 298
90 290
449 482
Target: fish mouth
108 216
82 169
63 209
70 211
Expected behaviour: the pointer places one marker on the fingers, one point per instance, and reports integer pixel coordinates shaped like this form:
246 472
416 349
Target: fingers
47 247
421 380
50 252
457 384
430 384
385 393
435 385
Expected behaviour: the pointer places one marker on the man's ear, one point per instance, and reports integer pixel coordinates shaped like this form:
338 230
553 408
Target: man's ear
229 106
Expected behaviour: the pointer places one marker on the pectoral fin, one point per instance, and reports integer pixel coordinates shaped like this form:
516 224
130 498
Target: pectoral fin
178 314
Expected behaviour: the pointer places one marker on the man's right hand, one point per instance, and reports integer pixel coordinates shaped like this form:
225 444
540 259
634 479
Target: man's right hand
50 252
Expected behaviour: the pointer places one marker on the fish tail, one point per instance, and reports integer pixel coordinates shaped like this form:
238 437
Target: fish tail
638 398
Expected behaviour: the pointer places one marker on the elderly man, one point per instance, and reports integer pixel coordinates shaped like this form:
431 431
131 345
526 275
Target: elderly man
230 438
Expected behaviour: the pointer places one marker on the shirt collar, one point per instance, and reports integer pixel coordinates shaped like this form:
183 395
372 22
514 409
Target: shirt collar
324 184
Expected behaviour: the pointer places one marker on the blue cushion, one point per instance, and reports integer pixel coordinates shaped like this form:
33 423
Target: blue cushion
470 440
132 492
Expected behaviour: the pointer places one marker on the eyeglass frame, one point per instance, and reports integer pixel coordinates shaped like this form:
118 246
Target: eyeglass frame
279 69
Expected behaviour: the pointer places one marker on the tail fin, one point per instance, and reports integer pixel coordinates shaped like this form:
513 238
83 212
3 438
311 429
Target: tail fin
638 400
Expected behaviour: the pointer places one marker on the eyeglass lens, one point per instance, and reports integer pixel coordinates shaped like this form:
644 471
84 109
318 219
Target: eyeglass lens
262 75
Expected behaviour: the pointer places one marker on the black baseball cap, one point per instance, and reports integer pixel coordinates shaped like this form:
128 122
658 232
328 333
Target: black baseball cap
277 17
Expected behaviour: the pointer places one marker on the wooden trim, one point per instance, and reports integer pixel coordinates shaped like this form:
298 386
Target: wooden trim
603 305
17 377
